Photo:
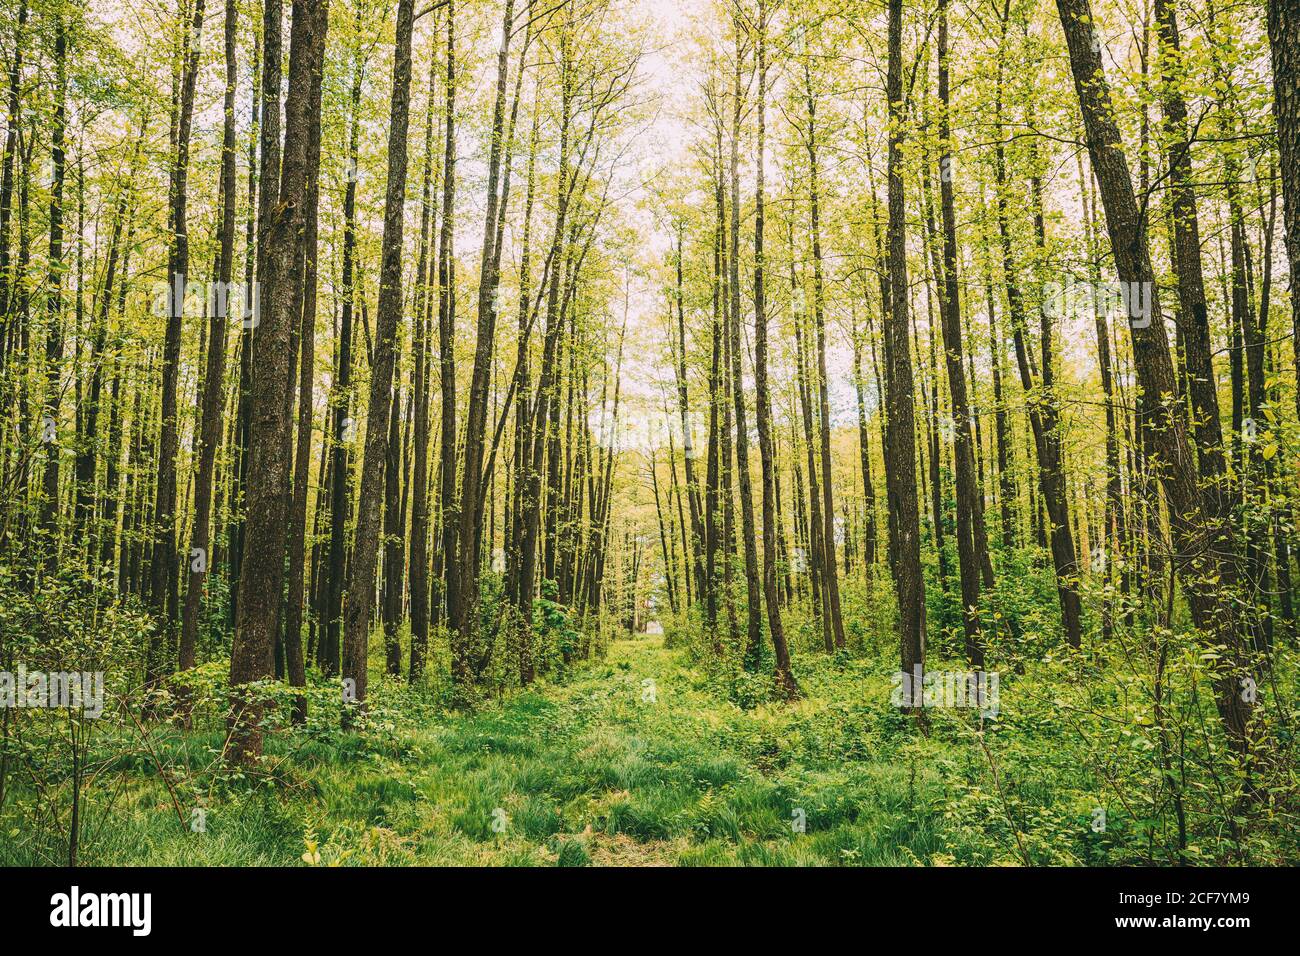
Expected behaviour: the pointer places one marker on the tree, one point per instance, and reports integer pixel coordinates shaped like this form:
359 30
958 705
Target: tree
214 386
766 445
262 565
1209 562
900 447
361 582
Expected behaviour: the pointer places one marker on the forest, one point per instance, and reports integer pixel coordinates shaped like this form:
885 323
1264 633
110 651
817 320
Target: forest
650 432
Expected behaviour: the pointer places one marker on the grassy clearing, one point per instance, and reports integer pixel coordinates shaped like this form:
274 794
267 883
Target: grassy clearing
590 772
601 771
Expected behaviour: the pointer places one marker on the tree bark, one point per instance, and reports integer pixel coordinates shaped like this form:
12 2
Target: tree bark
295 662
361 581
214 386
1284 41
340 467
900 454
972 542
418 583
753 590
1207 548
830 573
262 568
766 447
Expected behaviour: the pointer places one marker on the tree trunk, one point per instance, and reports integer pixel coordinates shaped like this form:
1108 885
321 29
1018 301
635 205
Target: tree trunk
766 446
753 607
295 662
214 385
262 567
419 569
343 427
972 542
1284 40
1207 549
830 573
900 453
361 581
471 492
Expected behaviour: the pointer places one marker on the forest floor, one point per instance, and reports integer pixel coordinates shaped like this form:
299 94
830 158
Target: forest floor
639 759
645 757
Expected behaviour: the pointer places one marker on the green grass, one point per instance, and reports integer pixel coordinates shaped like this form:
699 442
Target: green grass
590 773
583 773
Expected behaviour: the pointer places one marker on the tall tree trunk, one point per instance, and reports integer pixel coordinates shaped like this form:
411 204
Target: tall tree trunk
546 390
864 449
214 385
262 566
754 633
1209 553
713 465
13 126
766 446
268 177
830 573
815 525
695 554
295 661
1284 41
392 543
447 569
343 428
471 492
1006 487
972 542
523 411
163 577
419 565
900 452
1193 322
54 337
361 581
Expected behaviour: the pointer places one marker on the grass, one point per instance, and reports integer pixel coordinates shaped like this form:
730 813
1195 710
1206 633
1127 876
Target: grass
599 771
595 771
